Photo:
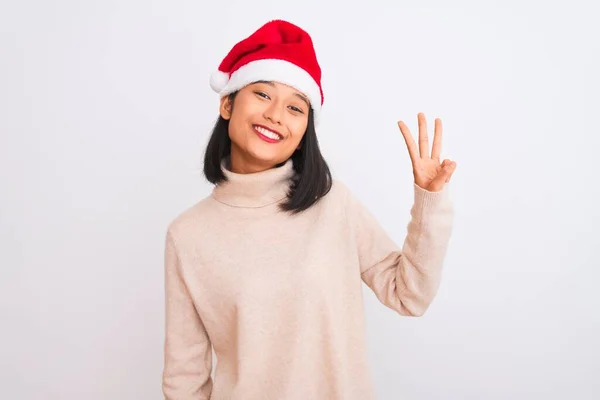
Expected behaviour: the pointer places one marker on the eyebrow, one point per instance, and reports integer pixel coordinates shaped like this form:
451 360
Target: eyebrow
300 96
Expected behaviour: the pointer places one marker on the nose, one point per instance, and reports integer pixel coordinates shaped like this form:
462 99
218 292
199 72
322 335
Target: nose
274 113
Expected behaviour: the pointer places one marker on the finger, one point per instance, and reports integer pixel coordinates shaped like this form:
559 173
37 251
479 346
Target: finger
445 174
423 139
450 168
437 140
410 142
449 178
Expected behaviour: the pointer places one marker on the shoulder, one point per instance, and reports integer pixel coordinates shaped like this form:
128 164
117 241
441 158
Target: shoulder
351 203
339 190
341 196
190 218
342 192
338 193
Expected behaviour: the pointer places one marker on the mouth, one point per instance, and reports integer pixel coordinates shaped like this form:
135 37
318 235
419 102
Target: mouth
266 134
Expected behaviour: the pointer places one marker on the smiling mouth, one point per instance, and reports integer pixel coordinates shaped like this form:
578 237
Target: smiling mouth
268 133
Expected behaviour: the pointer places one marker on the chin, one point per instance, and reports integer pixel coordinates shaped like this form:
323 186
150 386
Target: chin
268 157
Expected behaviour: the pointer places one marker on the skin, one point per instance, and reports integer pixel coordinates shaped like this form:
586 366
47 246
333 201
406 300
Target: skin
283 109
274 106
428 172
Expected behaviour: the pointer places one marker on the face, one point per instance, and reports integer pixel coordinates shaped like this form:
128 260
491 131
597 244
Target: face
266 125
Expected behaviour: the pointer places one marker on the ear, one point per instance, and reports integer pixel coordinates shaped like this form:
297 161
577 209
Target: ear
225 107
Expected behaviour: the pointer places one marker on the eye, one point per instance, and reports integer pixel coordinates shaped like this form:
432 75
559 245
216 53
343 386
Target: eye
262 94
296 109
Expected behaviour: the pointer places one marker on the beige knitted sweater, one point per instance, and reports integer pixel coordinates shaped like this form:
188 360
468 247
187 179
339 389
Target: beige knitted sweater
279 297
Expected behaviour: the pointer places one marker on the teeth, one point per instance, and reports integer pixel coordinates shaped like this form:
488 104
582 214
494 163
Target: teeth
268 133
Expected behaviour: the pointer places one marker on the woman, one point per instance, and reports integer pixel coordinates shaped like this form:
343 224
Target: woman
268 269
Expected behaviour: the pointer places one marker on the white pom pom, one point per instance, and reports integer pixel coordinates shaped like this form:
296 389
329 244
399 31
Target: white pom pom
218 80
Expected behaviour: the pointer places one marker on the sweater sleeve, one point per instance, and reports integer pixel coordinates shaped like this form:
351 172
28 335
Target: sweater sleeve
404 279
187 347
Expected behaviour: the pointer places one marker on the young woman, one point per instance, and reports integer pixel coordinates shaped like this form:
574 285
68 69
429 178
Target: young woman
268 269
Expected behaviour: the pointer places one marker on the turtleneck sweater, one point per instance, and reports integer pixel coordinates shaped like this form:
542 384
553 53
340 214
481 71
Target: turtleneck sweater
278 297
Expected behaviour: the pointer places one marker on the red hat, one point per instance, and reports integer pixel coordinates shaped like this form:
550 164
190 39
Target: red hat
278 51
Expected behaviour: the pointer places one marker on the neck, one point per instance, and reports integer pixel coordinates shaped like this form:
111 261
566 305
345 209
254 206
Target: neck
255 189
241 163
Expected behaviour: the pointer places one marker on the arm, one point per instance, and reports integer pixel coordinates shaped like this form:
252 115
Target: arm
405 280
187 347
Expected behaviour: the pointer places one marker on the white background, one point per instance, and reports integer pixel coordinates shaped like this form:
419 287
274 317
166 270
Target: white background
105 110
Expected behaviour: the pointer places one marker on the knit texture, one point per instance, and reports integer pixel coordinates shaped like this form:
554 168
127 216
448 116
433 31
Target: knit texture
279 297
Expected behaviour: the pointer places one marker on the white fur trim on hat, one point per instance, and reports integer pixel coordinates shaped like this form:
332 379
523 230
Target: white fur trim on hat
218 80
277 71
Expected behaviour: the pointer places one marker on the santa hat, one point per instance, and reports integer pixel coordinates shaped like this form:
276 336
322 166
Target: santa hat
278 51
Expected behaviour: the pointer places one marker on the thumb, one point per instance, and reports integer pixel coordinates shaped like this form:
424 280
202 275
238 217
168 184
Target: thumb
449 169
443 176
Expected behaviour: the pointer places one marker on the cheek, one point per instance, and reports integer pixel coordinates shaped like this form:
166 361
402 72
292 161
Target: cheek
298 134
298 129
238 124
236 131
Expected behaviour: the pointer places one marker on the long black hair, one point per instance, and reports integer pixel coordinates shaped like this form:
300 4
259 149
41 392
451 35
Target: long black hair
311 182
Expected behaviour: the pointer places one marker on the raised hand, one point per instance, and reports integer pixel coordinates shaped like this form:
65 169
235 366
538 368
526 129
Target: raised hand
428 172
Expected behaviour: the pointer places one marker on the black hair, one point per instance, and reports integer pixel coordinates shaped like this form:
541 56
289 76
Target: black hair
311 182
